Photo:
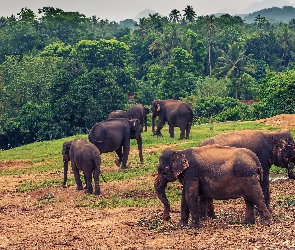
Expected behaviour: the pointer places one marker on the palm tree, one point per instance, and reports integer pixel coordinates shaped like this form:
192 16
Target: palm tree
189 14
233 63
175 16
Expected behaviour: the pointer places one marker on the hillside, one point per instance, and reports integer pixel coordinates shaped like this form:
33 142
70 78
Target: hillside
273 15
37 213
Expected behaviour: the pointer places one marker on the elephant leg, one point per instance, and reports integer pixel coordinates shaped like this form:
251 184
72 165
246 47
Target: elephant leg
171 131
257 199
291 173
182 131
184 213
119 154
210 209
77 176
139 146
66 163
265 189
85 179
159 127
126 149
192 201
96 174
207 208
249 216
187 131
89 186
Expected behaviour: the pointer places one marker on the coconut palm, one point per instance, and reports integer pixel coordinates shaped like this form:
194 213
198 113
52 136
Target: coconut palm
175 16
189 14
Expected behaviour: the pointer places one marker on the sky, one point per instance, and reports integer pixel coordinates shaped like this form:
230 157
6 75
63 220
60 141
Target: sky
117 10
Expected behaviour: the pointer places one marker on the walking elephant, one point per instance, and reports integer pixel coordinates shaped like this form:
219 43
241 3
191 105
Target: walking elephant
176 113
271 148
212 171
138 111
117 114
84 156
115 135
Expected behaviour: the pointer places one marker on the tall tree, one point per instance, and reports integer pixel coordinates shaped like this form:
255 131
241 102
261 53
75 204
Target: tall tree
189 14
175 16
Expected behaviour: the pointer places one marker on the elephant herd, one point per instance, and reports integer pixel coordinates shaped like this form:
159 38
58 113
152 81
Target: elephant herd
226 166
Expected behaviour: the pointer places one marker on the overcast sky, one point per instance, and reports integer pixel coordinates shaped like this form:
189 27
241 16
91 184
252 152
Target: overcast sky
117 10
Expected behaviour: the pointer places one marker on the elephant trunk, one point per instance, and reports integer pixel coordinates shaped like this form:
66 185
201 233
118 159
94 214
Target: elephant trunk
66 164
160 185
153 123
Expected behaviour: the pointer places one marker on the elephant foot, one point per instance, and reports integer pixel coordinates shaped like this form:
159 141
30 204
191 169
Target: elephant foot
64 185
291 174
142 162
249 221
117 162
80 188
166 216
97 192
195 224
182 223
265 221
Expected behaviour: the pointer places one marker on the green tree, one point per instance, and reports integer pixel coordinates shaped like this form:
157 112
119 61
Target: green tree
189 14
175 16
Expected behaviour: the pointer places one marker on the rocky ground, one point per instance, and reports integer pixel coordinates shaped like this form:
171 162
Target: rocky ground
50 218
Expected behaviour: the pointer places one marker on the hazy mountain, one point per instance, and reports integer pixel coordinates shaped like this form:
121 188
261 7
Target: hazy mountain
258 6
144 13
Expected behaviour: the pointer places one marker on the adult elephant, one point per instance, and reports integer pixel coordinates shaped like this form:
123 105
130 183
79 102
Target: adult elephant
117 114
115 135
213 171
176 113
273 148
138 111
84 156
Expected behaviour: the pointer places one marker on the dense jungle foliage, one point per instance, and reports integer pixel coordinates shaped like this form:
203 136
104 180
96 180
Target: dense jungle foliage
62 72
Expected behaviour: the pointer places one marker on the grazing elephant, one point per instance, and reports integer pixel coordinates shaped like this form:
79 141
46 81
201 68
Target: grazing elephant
117 114
115 135
213 171
138 111
176 113
274 148
84 156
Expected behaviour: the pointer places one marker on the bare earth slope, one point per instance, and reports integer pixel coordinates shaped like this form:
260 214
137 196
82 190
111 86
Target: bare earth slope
50 218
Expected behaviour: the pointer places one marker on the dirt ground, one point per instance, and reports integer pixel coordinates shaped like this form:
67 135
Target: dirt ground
50 218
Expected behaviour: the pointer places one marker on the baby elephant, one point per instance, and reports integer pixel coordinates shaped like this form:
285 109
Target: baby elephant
213 172
84 156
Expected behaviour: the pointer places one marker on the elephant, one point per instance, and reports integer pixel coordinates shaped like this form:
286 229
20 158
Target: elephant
115 135
138 111
176 113
84 156
213 172
117 114
271 148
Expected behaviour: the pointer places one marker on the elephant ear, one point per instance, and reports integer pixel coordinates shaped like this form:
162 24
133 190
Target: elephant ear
179 164
158 107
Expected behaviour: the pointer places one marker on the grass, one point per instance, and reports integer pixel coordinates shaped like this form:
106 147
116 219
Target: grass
45 157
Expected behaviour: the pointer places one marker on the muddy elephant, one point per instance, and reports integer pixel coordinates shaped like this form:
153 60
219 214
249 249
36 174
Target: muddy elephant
117 114
175 113
271 148
115 135
213 171
84 156
138 111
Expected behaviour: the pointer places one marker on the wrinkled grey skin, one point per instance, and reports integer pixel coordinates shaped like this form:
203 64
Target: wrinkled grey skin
175 113
115 135
138 111
273 148
214 172
84 156
117 114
